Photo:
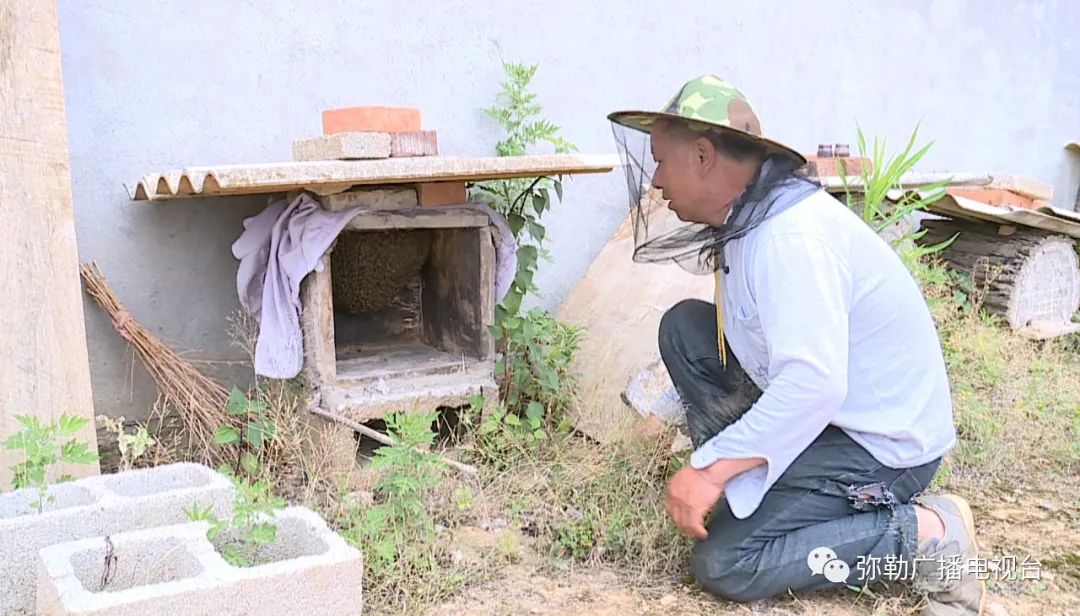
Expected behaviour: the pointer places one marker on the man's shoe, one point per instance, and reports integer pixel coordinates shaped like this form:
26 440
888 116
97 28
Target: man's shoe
946 568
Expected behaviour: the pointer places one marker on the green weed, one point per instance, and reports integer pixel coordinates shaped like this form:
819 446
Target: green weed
523 201
132 445
255 429
402 550
251 526
880 208
43 446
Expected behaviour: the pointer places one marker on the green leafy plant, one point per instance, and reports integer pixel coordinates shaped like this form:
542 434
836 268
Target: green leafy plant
44 446
523 201
251 525
576 536
537 350
132 445
395 530
536 383
255 429
883 201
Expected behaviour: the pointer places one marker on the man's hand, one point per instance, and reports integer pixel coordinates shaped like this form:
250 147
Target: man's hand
691 494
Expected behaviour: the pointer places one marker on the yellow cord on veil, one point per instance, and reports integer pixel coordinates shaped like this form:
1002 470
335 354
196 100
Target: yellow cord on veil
719 296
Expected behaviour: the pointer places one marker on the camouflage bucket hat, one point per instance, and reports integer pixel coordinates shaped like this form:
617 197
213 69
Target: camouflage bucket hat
707 103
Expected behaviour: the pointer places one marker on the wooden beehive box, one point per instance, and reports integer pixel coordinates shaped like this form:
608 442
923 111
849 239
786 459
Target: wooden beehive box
399 316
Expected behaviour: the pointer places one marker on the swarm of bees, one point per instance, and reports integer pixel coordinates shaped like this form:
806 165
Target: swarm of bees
368 269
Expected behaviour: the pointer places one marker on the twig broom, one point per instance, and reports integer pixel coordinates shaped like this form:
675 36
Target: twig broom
199 400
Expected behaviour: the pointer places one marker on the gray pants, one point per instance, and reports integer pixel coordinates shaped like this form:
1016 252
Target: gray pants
834 495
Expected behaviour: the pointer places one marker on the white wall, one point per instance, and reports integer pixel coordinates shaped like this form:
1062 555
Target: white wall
163 84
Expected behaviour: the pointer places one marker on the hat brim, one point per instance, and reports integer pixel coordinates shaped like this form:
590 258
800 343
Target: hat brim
643 121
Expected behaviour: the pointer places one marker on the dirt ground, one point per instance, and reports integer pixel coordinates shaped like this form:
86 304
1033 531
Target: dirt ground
1042 524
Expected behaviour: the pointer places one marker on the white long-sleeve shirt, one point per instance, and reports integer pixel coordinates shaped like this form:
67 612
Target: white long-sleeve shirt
828 322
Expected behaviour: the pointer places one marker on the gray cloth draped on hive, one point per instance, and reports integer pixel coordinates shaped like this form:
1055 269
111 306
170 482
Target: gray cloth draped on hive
284 243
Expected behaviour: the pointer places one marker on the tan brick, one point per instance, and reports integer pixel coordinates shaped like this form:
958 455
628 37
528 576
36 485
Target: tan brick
370 119
343 146
371 197
432 194
417 143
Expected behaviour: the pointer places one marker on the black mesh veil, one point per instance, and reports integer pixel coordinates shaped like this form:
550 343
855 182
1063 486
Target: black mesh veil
659 235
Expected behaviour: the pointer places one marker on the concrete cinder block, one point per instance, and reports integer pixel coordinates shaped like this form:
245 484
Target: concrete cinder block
343 146
98 505
176 570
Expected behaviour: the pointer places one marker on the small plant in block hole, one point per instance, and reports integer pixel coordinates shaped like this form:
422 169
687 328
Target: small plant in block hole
239 538
44 445
253 431
251 526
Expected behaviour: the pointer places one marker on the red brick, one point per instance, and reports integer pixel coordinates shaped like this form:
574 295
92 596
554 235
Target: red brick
432 194
418 143
367 119
994 196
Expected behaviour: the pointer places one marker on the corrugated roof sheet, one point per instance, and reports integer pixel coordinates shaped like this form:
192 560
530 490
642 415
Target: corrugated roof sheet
1046 218
325 177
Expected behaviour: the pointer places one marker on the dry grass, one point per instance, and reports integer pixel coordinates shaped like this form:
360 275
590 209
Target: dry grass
295 461
1016 403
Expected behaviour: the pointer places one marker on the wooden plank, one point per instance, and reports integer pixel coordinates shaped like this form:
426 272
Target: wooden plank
1033 189
404 361
993 196
1047 219
42 332
317 321
446 217
487 291
911 180
452 298
338 175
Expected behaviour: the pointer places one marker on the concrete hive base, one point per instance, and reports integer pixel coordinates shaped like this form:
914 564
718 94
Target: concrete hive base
96 506
176 569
